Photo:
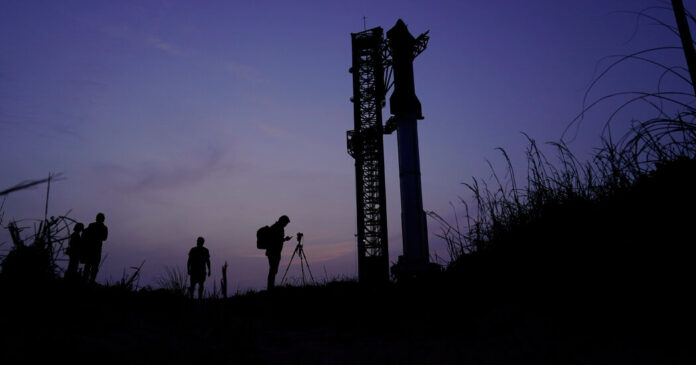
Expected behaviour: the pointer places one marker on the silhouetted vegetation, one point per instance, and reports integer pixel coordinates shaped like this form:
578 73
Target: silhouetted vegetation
623 212
35 263
641 157
174 280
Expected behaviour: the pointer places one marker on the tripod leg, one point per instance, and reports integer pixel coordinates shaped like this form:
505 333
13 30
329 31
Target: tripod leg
288 267
307 263
302 267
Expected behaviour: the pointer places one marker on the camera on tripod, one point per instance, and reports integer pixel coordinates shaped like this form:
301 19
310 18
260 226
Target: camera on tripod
299 251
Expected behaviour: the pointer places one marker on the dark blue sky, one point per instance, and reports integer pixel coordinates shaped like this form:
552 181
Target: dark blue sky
181 119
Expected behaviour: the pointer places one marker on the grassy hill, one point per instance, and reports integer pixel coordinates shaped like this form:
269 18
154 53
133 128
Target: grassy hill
590 263
584 281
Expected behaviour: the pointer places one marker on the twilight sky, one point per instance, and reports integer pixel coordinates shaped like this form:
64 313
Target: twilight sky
180 119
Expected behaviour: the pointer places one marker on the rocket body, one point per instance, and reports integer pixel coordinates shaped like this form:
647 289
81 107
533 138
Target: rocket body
406 108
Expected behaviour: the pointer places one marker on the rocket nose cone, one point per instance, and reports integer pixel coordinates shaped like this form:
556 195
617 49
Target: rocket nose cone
399 31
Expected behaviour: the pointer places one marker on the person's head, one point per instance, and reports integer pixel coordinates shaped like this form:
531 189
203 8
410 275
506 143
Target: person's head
284 220
100 217
78 227
200 241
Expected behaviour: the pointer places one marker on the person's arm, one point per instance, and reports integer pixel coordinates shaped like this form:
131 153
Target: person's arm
286 238
207 262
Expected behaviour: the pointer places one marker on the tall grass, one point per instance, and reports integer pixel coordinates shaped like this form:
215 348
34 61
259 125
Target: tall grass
35 255
128 282
2 216
501 206
174 280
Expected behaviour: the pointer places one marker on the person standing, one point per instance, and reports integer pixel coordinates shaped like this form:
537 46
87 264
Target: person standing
198 260
93 237
74 251
276 238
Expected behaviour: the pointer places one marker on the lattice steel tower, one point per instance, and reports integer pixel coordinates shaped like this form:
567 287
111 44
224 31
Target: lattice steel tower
365 145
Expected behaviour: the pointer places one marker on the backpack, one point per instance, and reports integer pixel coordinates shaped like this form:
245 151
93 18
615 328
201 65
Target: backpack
263 237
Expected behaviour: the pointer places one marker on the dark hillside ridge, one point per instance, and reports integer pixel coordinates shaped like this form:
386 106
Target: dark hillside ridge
584 281
640 233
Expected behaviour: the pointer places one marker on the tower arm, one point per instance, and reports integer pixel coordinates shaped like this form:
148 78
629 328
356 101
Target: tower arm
421 44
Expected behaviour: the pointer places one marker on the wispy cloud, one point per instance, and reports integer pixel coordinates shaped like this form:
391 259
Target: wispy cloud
175 174
273 130
136 35
245 72
165 46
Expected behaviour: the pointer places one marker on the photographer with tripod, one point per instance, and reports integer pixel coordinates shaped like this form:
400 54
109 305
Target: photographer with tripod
276 238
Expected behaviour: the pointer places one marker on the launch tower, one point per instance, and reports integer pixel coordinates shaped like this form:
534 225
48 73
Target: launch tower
365 145
374 59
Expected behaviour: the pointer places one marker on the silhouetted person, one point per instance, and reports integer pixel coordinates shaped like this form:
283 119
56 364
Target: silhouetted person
198 260
276 238
74 251
93 237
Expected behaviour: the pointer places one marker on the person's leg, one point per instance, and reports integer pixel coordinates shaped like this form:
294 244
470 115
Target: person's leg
200 289
85 271
95 265
93 273
273 262
193 283
72 268
271 275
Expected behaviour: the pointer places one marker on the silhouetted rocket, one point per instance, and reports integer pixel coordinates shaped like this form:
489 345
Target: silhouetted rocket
406 108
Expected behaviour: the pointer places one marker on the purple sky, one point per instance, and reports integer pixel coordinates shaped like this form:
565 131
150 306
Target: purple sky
180 119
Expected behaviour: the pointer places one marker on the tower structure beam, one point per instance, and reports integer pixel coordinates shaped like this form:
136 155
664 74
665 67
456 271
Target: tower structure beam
365 145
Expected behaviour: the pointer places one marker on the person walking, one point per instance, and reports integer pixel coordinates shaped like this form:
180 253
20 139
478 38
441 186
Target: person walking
198 260
93 237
